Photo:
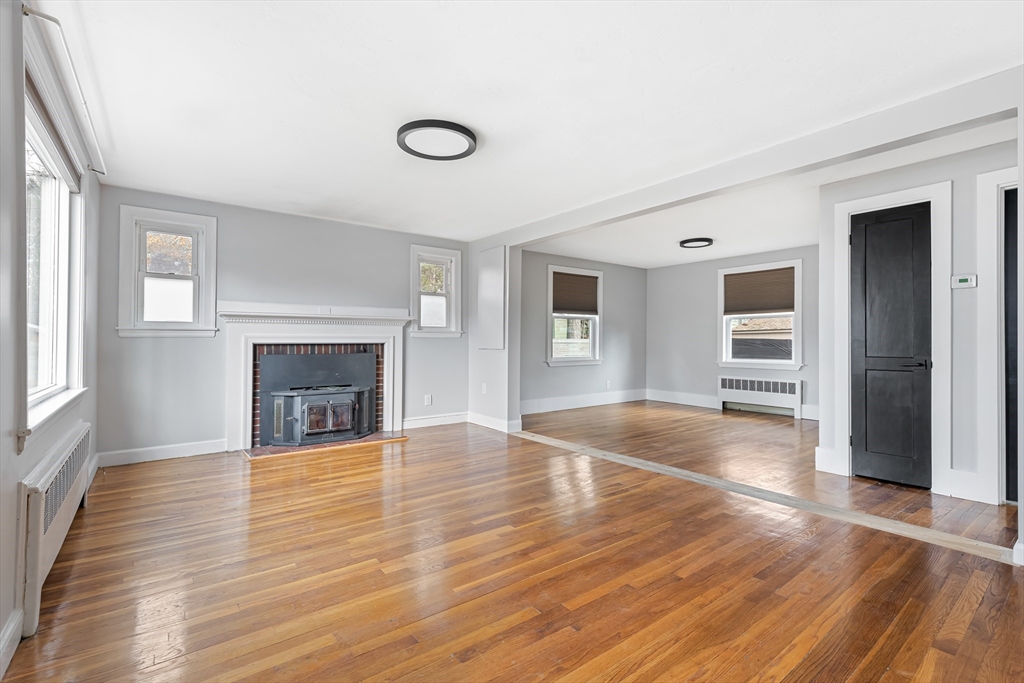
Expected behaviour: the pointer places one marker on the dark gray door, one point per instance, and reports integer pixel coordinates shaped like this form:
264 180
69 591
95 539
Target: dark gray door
891 344
1010 310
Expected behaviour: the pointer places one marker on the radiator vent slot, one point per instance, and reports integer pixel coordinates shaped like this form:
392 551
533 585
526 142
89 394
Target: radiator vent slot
278 418
61 484
763 386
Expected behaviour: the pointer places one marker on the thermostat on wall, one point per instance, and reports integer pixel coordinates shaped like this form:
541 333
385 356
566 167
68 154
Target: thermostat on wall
963 281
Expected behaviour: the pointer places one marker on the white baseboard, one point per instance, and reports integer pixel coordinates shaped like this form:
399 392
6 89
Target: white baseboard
10 636
699 400
178 450
434 420
1018 553
826 460
498 425
548 405
809 412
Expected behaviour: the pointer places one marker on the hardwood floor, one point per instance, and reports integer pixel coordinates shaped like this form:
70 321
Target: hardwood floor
469 555
768 451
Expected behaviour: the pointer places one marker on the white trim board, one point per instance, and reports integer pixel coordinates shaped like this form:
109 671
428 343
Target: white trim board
940 196
988 484
434 420
698 400
498 425
178 450
547 405
10 636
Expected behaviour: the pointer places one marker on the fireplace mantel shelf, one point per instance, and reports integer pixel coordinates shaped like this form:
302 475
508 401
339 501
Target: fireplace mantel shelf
254 312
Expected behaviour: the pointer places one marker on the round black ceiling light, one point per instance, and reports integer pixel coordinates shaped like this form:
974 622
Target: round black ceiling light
696 243
436 140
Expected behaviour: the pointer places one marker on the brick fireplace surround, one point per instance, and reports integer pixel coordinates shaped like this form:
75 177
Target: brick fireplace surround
260 350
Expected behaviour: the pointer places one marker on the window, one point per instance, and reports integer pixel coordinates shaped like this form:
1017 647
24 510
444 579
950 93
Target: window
574 315
436 292
760 314
48 219
168 273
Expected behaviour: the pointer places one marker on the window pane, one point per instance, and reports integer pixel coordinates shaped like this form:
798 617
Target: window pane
571 338
431 277
41 275
166 300
167 253
761 338
433 311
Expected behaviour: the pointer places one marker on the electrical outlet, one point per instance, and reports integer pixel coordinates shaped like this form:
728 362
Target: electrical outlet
608 384
428 400
483 388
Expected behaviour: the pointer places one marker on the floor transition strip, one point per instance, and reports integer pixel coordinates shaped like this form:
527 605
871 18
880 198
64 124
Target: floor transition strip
940 538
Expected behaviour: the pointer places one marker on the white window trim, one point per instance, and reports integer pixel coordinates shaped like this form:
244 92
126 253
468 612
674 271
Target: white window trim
134 221
596 332
797 362
65 299
452 259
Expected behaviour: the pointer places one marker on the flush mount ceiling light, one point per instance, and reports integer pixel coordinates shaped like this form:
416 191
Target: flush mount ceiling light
437 140
696 243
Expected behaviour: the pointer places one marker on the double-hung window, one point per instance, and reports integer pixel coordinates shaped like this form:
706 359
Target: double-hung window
574 316
167 273
436 302
760 315
48 214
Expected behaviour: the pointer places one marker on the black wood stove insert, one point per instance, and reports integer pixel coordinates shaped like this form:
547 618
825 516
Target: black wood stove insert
309 415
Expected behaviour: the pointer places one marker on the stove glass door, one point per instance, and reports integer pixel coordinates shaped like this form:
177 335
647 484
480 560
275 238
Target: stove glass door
341 416
316 418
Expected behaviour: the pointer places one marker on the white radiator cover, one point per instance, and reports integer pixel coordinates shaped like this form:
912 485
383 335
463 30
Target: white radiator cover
49 499
762 392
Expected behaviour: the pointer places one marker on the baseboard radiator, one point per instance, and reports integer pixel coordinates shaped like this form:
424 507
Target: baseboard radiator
762 392
50 497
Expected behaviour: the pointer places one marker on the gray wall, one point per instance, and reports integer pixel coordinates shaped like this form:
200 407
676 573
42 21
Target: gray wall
165 391
682 325
623 332
962 169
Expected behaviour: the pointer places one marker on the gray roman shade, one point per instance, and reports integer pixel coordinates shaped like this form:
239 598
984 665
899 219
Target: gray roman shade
573 294
760 291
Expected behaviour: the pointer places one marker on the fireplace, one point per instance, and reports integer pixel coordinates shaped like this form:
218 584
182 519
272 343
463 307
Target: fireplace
255 330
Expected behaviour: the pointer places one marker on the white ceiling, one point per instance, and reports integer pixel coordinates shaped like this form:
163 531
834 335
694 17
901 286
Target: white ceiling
294 106
775 215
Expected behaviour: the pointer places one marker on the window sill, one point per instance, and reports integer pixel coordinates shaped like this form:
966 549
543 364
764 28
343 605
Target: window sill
588 361
440 334
158 332
754 365
45 413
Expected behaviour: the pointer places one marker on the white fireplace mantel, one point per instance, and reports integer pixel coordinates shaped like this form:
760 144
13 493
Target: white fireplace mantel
254 312
250 323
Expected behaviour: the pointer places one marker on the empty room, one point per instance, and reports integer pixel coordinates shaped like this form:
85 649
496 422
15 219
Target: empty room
511 341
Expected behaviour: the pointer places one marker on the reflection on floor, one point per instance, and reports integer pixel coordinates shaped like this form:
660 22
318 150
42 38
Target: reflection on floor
769 451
